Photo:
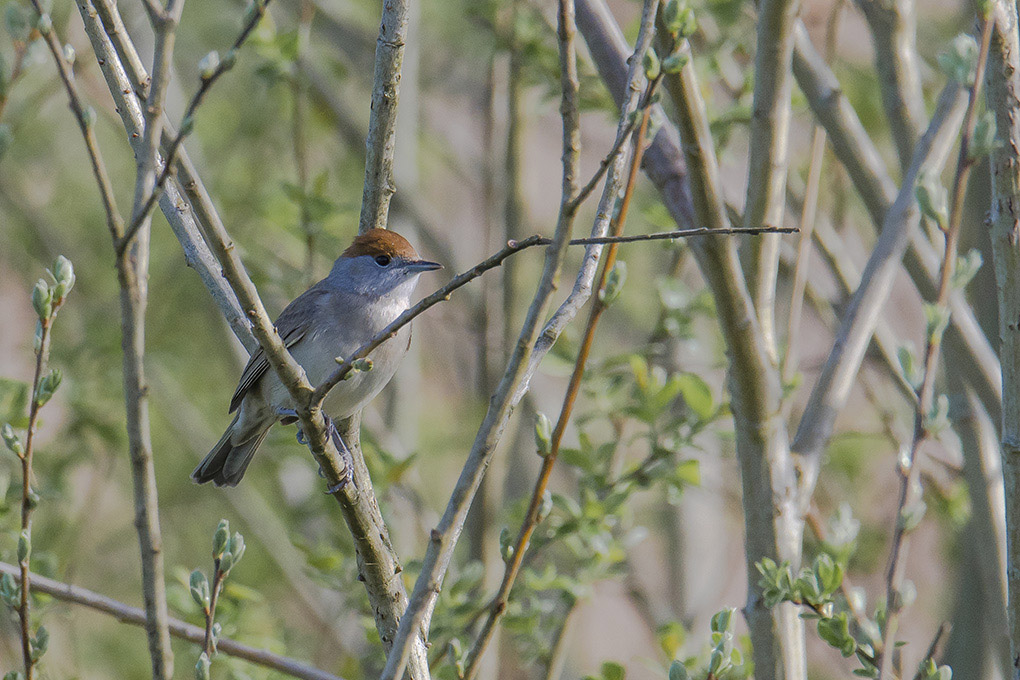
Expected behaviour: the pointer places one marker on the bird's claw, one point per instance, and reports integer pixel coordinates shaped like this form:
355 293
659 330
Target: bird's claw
347 476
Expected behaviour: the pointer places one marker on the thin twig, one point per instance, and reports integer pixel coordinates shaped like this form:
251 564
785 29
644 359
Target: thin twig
28 497
833 386
932 650
513 247
909 469
185 631
621 139
255 13
210 613
532 517
132 320
444 537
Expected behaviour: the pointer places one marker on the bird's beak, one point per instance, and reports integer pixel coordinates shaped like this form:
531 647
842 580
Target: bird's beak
422 266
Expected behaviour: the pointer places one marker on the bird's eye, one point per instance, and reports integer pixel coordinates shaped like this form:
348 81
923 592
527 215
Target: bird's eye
382 260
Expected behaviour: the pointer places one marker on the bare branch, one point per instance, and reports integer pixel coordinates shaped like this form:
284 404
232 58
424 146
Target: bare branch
858 154
894 31
833 386
1003 99
767 165
125 75
766 470
131 269
382 127
186 631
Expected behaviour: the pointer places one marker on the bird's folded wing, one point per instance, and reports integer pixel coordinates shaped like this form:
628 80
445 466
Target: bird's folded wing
292 325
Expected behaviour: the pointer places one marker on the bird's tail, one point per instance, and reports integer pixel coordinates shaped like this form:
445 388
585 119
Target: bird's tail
226 463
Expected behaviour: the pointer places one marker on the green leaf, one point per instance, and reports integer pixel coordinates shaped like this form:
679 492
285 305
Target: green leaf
220 538
959 60
543 434
697 394
688 472
16 21
651 64
671 637
677 671
613 671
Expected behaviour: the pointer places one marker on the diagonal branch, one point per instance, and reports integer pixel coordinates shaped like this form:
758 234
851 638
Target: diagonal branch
186 631
894 31
858 154
830 393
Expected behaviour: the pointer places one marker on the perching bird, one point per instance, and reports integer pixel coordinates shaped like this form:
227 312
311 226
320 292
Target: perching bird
369 286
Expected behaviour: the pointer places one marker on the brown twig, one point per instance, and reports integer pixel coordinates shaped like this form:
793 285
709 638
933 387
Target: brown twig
210 612
495 260
499 602
28 496
932 650
909 470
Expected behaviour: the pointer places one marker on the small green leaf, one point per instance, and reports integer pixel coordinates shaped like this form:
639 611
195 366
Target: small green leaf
208 64
202 667
543 434
675 63
220 538
697 395
42 300
651 64
959 60
613 671
677 671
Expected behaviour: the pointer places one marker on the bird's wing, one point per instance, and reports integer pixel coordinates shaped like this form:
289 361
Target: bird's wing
292 325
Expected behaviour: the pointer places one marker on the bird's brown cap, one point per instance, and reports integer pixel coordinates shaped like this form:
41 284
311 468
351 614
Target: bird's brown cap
376 242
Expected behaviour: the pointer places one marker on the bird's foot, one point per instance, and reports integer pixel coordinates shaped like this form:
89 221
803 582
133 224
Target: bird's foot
347 476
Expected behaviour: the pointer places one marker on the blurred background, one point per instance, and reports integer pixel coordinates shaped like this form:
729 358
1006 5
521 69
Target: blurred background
280 145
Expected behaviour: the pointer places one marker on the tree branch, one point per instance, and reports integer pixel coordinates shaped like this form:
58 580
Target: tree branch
186 631
858 154
772 528
767 165
830 393
894 33
131 270
382 126
1003 99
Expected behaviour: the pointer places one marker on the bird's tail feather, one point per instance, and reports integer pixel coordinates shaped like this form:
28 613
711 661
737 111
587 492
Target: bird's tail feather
226 463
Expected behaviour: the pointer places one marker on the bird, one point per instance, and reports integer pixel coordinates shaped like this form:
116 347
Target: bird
368 287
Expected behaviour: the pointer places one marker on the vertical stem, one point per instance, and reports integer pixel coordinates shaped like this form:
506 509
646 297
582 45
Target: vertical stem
299 139
1004 100
770 128
27 501
910 472
382 127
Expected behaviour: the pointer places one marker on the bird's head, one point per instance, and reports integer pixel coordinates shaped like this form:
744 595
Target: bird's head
380 263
